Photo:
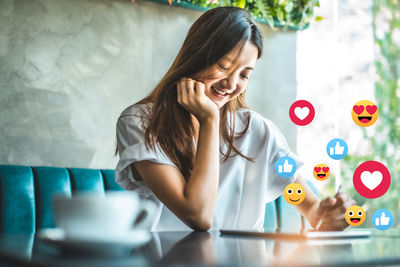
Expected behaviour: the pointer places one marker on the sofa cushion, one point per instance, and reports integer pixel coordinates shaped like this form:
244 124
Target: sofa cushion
86 180
17 200
49 181
26 192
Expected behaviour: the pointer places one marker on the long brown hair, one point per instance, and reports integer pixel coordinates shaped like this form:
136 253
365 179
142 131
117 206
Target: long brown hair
213 35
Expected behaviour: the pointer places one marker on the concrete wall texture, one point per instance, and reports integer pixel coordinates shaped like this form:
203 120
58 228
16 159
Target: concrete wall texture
68 68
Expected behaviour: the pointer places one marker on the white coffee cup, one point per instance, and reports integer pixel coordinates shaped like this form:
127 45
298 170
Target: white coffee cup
108 215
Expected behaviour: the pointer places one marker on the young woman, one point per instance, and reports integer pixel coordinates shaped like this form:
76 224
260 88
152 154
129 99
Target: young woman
195 148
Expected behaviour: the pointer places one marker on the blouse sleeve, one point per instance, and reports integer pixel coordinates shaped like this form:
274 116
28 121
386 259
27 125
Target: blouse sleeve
277 148
132 148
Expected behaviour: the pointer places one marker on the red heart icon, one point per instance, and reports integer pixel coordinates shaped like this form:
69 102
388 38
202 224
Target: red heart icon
325 169
317 169
358 109
371 109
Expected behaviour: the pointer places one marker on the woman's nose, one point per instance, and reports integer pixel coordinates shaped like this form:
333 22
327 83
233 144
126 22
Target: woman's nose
230 83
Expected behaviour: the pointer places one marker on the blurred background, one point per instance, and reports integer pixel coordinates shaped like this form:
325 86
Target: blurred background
351 54
69 68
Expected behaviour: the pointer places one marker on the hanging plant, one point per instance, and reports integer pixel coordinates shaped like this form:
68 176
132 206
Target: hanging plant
287 14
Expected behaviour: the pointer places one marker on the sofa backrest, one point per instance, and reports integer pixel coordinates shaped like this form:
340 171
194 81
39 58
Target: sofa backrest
25 193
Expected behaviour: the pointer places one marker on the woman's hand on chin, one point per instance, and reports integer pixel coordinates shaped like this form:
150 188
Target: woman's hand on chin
191 95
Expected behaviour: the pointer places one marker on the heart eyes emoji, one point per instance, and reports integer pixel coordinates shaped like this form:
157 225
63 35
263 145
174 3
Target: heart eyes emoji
364 113
321 172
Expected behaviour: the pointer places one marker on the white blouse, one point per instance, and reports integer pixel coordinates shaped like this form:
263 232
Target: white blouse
244 186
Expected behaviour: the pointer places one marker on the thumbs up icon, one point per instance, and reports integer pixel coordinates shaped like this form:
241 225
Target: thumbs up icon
285 167
382 219
337 148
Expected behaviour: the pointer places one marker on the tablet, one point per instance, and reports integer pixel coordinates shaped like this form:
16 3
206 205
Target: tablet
306 235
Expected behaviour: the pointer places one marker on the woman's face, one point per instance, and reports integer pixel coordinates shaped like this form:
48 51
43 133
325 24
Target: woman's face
229 77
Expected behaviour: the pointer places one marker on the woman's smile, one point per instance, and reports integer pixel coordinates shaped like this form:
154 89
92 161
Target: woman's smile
219 95
218 92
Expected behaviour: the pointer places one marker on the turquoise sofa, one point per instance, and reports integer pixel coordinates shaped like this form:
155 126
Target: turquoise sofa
25 196
25 193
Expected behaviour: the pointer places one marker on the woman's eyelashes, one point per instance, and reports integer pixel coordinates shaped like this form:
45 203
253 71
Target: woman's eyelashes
223 68
226 69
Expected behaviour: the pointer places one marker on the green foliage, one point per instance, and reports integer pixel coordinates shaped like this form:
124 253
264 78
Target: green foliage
385 144
282 13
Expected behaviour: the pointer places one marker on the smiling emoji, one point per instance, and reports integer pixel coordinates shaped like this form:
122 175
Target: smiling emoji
294 193
364 113
355 216
321 172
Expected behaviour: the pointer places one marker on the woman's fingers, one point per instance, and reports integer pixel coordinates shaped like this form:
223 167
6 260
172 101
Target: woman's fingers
344 199
188 90
200 88
185 89
326 204
340 201
333 221
334 216
190 83
191 96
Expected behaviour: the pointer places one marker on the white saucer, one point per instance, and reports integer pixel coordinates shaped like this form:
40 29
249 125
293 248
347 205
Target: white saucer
111 245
